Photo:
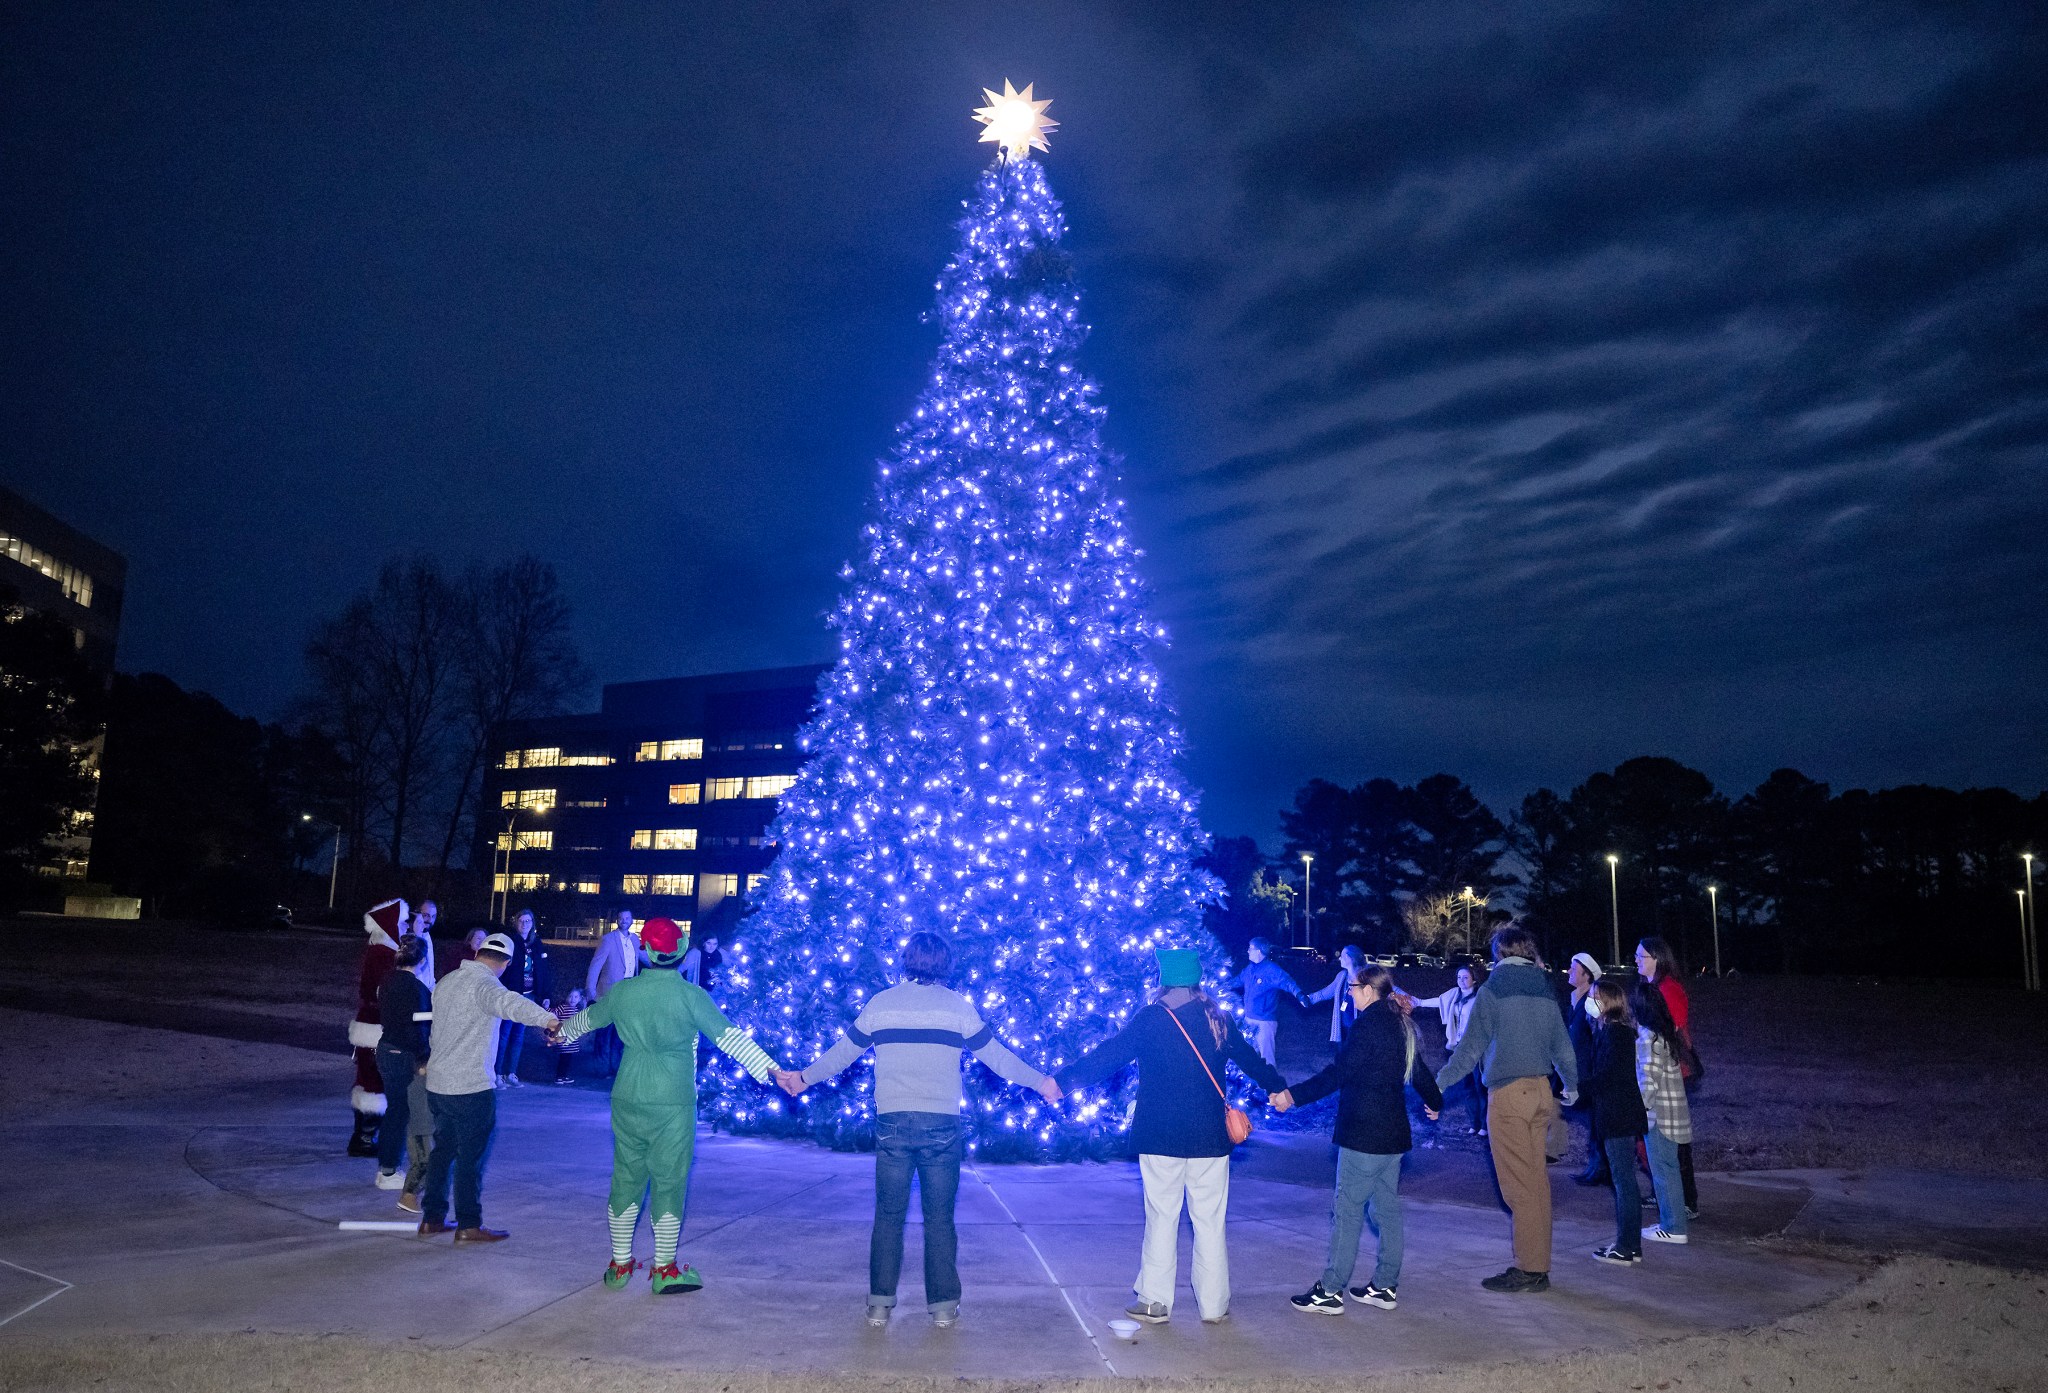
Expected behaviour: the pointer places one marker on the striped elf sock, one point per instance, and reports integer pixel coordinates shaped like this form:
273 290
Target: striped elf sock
623 1223
668 1231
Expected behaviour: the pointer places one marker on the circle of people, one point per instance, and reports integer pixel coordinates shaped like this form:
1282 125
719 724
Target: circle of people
441 1052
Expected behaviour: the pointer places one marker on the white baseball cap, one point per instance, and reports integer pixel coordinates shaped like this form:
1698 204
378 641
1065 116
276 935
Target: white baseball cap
501 944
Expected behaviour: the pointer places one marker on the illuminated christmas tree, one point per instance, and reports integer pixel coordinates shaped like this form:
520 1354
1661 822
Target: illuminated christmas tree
993 757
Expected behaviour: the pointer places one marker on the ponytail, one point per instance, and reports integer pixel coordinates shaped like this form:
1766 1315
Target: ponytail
1378 979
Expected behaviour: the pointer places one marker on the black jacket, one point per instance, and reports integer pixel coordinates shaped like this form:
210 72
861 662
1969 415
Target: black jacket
398 1000
1179 1111
1368 1075
1616 1101
529 956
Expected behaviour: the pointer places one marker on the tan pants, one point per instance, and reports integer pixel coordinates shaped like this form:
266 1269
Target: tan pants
1518 1114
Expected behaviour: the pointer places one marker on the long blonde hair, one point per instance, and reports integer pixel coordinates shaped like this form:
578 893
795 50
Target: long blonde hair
1378 979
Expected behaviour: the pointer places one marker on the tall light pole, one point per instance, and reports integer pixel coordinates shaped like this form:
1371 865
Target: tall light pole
2033 945
1714 908
2026 949
1468 919
511 842
1308 923
334 865
1614 895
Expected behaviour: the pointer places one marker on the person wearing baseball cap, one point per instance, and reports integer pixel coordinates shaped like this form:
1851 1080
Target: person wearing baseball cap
462 1088
658 1017
1582 1023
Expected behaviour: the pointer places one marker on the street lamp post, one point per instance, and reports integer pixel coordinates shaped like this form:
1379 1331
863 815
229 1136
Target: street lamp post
511 841
334 865
1308 923
2026 949
1614 895
1468 919
2033 927
1714 908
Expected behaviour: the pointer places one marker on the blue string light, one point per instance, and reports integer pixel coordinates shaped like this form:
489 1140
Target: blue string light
993 756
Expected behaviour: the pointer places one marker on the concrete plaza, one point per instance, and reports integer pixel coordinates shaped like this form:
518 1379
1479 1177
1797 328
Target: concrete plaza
168 1183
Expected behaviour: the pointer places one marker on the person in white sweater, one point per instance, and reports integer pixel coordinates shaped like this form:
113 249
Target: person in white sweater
1454 1007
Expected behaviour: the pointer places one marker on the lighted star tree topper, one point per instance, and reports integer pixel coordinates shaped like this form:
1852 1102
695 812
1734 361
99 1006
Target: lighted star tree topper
993 756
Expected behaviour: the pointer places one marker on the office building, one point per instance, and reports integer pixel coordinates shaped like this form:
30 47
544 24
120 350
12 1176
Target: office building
658 802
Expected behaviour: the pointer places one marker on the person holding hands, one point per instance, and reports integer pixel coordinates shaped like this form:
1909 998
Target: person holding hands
918 1029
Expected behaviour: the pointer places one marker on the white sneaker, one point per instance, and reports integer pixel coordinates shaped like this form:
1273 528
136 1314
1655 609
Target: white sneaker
390 1180
1660 1234
514 1081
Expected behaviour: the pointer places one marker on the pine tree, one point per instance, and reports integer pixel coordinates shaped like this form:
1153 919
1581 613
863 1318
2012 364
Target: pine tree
993 757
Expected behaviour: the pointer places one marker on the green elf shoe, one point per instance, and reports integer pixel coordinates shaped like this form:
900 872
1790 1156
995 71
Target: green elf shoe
616 1275
674 1279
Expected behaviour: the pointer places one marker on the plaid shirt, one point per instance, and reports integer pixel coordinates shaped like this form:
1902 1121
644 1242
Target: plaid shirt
1663 1088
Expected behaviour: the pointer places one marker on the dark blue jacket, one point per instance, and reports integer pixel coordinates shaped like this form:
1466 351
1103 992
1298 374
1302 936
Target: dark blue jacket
1611 1089
1179 1111
1371 1069
1263 984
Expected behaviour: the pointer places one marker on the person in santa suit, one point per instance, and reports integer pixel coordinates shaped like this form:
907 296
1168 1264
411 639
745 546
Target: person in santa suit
383 924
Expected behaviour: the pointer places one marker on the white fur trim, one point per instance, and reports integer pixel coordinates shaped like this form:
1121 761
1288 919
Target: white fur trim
364 1035
362 1100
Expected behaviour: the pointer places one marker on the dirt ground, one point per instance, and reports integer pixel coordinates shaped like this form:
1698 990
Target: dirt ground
1917 1324
1801 1071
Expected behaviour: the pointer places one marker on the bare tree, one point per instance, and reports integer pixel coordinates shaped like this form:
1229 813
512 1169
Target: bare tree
382 686
515 660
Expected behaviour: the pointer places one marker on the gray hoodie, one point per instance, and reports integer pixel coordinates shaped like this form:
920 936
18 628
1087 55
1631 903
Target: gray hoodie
468 1004
1516 1029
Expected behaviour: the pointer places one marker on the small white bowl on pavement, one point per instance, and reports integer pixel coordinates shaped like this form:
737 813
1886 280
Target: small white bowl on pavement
1124 1329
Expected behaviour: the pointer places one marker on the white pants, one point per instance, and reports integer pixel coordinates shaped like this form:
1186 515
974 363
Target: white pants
1264 1037
1203 1182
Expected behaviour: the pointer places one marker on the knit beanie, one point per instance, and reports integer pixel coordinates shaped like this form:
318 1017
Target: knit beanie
1179 967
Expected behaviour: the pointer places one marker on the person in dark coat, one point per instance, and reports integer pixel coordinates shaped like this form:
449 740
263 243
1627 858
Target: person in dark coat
1179 1043
1619 1120
405 1006
526 975
1371 1076
1581 1022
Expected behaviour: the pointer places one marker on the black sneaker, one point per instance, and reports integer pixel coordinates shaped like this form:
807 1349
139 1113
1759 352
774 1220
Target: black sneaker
1515 1279
1318 1302
1613 1254
1382 1297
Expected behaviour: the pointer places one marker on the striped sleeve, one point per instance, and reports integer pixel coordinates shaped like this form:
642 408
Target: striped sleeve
742 1048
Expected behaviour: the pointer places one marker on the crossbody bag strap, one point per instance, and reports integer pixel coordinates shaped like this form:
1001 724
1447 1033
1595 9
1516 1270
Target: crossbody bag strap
1198 1054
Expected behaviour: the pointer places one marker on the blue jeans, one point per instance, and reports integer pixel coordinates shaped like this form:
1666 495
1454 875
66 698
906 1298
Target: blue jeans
397 1068
1368 1191
511 1040
463 1123
1670 1188
931 1145
1628 1200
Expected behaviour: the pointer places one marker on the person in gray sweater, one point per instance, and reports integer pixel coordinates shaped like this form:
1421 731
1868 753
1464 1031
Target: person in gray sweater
917 1030
1516 1037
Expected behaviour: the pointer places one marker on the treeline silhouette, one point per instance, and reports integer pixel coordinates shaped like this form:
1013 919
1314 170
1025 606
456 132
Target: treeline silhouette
1804 878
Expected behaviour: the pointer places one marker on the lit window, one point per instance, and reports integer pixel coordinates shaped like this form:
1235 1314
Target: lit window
769 785
725 884
586 760
583 802
684 925
633 885
527 841
521 880
534 759
682 793
715 789
675 884
642 839
682 749
648 750
586 887
675 839
534 798
75 584
756 881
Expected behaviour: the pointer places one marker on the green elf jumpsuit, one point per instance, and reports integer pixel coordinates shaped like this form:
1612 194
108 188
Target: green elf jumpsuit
654 1106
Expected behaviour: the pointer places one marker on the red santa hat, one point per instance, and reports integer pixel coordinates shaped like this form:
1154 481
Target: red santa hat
385 922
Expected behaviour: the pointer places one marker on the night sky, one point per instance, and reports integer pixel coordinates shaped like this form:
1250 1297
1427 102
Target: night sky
1506 389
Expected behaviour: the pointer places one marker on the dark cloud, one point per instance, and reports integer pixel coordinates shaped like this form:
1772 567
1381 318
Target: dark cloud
1508 388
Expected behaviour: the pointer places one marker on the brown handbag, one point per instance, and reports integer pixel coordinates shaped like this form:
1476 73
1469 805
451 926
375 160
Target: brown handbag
1237 1123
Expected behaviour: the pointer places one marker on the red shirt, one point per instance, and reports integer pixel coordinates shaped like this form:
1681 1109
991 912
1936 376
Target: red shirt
1675 999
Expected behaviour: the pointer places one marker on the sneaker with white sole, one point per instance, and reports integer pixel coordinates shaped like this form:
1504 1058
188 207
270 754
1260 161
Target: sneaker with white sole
1660 1234
1317 1302
1610 1253
1370 1295
1150 1312
390 1180
878 1316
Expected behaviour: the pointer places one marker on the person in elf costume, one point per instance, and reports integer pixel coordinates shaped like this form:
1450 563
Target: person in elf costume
658 1017
383 925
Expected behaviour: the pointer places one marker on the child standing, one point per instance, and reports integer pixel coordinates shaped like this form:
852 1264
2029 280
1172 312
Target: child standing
1377 1063
1618 1118
567 1050
1662 1084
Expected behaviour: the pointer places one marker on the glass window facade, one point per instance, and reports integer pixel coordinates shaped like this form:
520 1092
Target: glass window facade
75 584
534 798
769 785
715 789
641 839
682 793
633 885
675 839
